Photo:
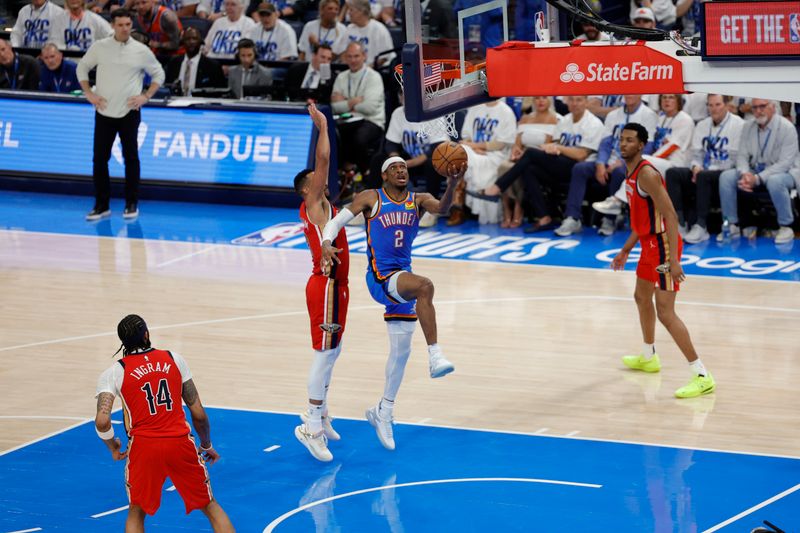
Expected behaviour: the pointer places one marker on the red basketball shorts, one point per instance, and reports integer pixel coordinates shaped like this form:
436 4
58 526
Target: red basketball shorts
152 459
327 309
656 251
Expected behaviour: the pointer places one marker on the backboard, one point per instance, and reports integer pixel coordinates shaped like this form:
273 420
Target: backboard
461 30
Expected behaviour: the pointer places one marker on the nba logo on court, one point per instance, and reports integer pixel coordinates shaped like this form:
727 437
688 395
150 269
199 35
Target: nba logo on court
271 235
794 27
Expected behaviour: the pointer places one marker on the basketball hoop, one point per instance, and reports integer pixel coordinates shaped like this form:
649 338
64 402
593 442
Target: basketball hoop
438 76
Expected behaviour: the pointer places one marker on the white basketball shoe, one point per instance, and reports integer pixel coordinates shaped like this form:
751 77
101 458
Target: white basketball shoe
383 427
316 444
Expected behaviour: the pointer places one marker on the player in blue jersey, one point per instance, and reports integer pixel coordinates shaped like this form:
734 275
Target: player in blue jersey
392 214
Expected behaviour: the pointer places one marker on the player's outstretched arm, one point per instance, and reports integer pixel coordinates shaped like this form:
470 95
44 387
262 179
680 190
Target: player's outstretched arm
323 154
199 421
430 204
650 182
103 427
362 203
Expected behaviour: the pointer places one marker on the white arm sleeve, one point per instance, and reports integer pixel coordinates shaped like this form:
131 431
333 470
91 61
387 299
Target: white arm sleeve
110 381
183 367
334 226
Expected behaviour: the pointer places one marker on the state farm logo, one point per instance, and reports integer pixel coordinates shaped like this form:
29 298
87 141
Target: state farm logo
573 73
636 71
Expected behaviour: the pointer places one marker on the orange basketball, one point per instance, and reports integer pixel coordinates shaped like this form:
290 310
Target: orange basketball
448 155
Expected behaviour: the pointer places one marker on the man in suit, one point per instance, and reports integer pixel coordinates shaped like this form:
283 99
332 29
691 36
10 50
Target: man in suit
193 70
248 72
17 71
305 80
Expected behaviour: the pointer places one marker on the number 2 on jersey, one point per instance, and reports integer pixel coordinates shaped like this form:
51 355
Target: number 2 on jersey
398 238
162 396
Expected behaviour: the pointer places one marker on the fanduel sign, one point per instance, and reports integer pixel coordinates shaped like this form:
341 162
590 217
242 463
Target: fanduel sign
175 144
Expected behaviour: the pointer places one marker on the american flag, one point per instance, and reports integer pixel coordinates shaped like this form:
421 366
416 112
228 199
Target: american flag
432 74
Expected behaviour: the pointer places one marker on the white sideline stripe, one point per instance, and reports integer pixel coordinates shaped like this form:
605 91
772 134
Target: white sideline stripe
271 448
753 509
112 511
171 488
186 256
525 433
44 417
26 530
304 312
284 516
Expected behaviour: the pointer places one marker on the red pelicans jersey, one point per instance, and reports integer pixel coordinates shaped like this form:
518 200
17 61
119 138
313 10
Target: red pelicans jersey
156 33
645 218
313 234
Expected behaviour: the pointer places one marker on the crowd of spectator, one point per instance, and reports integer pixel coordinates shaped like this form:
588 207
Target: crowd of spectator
549 158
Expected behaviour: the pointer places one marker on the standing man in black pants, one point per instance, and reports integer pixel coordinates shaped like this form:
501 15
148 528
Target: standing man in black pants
117 98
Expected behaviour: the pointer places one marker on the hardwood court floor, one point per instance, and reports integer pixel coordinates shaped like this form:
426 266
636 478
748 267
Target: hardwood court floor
536 348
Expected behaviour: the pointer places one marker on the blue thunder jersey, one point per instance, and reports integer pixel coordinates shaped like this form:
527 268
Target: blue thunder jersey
390 234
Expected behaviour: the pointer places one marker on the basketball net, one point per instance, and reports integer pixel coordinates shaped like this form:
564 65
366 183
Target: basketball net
440 74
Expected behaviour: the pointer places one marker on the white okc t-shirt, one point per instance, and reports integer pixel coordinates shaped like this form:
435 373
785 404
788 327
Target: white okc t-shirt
278 43
336 37
406 134
673 138
374 37
485 123
78 34
224 36
586 133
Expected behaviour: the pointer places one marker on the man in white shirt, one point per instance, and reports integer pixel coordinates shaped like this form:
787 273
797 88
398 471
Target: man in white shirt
359 92
325 30
275 39
488 133
121 63
714 148
34 24
576 139
767 151
76 28
223 36
372 35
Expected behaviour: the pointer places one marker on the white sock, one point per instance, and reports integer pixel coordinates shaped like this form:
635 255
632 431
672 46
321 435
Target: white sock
315 417
400 334
648 350
434 349
698 368
385 408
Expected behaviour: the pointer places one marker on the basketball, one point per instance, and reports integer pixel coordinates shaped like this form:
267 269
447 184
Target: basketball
448 153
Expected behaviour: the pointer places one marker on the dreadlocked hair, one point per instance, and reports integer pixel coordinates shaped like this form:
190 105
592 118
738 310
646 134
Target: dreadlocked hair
131 331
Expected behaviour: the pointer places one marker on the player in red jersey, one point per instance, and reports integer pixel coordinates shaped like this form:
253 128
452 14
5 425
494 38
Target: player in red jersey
654 225
151 384
326 295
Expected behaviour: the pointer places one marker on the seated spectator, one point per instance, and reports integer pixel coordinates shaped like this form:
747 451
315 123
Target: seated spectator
162 27
34 24
359 92
643 17
210 9
403 139
59 75
371 34
487 135
287 9
17 71
223 36
767 151
325 30
248 72
193 70
312 81
275 39
715 145
384 11
76 29
673 138
533 130
608 170
666 12
696 104
577 139
601 106
591 33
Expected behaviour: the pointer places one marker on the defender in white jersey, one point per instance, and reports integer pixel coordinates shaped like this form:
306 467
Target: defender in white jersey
76 28
275 39
372 35
324 30
488 133
226 32
714 148
34 24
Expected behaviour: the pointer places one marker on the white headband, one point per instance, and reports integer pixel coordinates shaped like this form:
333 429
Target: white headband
389 162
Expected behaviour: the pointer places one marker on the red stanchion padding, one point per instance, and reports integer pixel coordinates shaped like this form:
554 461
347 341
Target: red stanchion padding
519 68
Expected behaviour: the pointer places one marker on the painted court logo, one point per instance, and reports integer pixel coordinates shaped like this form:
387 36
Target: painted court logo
572 73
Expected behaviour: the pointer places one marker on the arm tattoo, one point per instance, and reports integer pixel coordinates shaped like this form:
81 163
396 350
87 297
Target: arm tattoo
105 401
169 23
189 394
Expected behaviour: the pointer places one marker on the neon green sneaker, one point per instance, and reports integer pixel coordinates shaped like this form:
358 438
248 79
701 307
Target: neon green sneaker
698 386
638 362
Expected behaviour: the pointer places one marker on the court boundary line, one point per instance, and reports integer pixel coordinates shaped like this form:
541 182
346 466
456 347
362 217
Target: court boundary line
279 520
439 302
606 270
753 509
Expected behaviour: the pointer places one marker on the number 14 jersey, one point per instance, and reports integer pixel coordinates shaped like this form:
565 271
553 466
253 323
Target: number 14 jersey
150 384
